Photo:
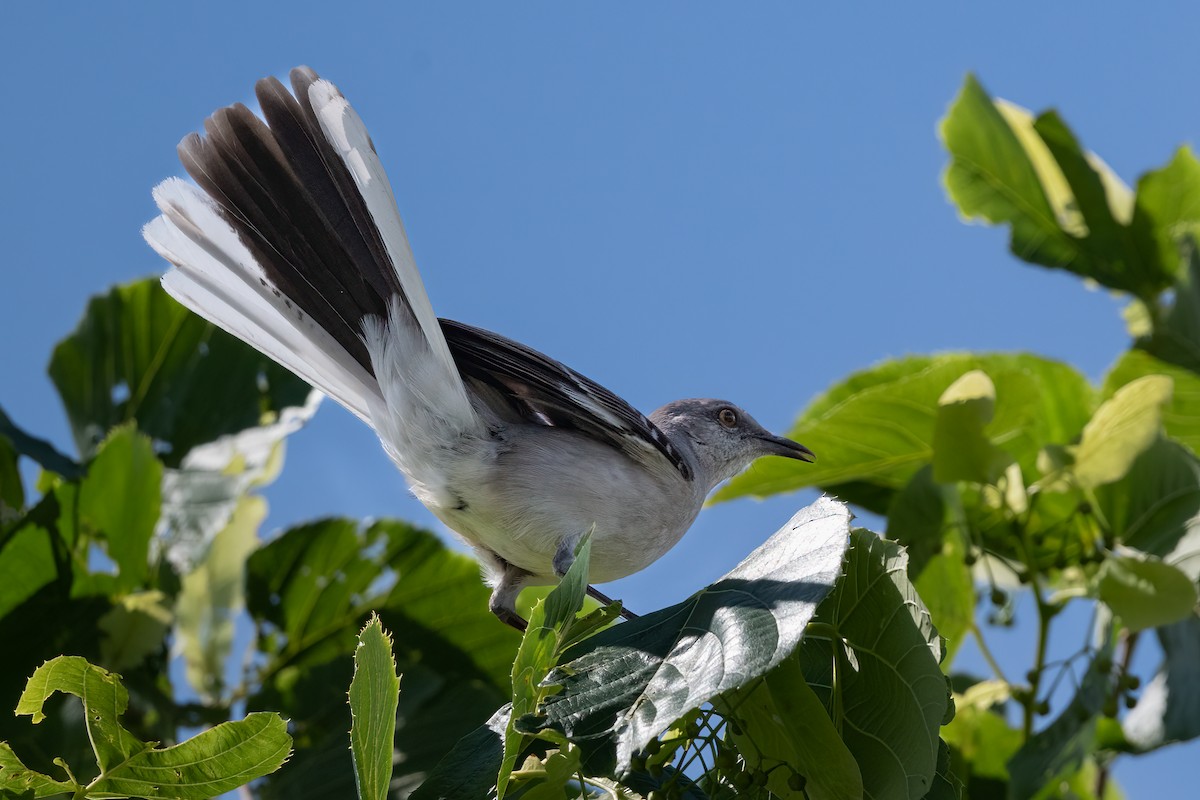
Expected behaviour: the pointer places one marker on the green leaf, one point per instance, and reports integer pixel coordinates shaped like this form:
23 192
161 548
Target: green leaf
134 629
936 548
139 355
374 694
314 583
1181 415
882 433
1122 428
784 729
1168 199
1062 748
120 498
27 563
1155 506
311 589
1175 337
104 700
468 771
39 450
12 489
946 783
962 450
17 780
876 670
216 761
1065 209
1169 707
983 742
548 633
211 596
1145 592
635 679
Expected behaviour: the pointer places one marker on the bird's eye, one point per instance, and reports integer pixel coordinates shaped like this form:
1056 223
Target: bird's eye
727 417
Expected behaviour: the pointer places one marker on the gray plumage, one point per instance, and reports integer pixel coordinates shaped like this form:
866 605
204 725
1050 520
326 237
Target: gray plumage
295 246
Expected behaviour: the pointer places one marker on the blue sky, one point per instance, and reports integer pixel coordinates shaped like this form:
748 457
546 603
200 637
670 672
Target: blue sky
689 200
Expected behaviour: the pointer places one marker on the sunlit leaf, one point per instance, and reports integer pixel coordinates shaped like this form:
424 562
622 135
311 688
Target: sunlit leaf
880 430
1063 207
1145 592
962 450
120 498
1181 415
637 678
1122 428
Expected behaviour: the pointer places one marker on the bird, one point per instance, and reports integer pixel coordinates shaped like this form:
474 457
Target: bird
291 240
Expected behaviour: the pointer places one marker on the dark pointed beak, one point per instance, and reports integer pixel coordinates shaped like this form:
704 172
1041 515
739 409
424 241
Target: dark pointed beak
779 446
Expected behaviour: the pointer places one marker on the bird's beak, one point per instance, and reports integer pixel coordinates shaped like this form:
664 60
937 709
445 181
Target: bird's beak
779 446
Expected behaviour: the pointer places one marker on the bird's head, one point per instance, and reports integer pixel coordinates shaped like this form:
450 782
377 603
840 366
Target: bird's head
723 438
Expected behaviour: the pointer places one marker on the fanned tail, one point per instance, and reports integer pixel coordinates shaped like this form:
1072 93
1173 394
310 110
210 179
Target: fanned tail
295 245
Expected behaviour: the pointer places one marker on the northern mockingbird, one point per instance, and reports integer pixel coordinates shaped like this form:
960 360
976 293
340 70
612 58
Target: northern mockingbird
293 243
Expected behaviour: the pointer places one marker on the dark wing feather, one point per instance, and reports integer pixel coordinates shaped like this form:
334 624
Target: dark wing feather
545 392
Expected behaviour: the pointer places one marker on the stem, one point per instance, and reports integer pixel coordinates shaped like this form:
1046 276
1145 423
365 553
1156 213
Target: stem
1045 613
987 652
1102 773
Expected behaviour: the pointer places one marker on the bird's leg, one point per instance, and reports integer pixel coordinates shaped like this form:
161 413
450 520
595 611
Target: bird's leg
564 557
605 600
503 602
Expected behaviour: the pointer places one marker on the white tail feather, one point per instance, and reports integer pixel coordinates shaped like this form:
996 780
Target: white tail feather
348 135
216 276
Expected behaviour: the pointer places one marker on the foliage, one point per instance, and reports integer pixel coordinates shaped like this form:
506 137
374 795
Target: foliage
823 666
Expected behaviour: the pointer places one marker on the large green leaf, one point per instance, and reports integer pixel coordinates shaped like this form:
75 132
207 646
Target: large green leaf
139 355
314 586
1157 503
1063 207
1181 415
877 670
1169 708
635 679
120 499
782 728
881 431
468 771
374 693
